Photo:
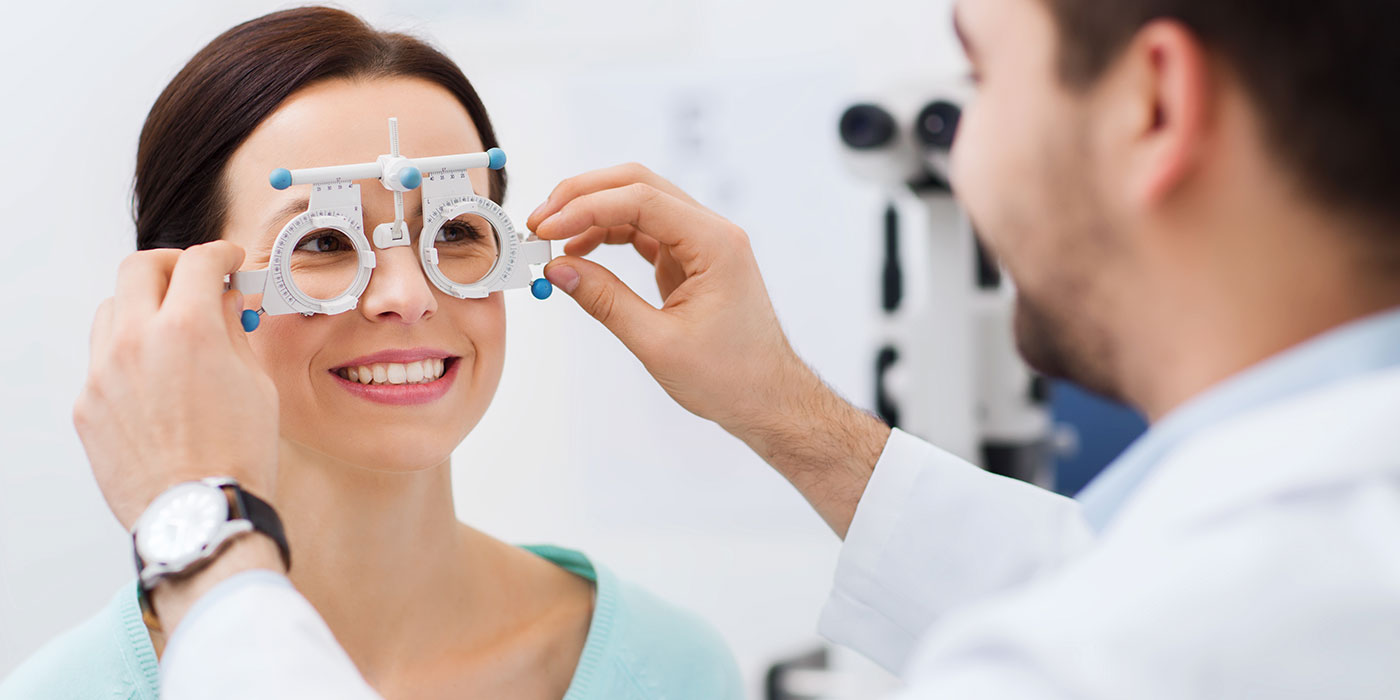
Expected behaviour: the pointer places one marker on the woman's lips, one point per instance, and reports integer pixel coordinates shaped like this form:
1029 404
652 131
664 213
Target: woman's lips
403 394
397 355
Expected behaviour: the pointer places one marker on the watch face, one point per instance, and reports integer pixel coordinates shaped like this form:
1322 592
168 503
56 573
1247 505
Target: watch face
180 522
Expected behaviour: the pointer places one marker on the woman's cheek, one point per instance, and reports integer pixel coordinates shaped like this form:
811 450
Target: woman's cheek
285 346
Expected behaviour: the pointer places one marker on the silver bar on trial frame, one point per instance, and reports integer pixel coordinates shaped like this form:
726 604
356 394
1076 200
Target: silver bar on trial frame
372 171
459 161
332 173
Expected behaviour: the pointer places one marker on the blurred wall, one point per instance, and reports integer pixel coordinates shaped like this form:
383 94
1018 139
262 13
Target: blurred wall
735 101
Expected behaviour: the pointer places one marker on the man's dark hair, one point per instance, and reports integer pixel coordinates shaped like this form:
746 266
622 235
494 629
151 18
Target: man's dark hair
1324 75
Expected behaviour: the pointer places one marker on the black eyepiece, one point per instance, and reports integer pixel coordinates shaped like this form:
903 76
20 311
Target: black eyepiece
866 126
938 124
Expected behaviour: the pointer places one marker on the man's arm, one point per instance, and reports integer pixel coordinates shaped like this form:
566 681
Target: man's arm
242 631
715 345
823 445
925 531
932 535
174 394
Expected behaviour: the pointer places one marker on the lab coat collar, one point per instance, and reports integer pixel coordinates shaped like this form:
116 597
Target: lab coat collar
1353 349
1345 433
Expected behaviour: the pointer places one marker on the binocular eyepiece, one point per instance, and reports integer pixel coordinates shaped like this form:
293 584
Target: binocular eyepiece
868 126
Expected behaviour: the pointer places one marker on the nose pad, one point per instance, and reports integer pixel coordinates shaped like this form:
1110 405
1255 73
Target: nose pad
399 289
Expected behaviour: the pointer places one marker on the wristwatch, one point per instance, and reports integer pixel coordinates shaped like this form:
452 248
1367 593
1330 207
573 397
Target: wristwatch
186 528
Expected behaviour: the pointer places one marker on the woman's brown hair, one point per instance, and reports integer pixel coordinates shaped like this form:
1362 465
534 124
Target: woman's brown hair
235 82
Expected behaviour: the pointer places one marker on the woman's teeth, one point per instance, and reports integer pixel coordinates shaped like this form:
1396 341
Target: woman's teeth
420 372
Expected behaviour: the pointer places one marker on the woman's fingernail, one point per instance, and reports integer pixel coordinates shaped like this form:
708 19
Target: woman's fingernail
543 205
563 277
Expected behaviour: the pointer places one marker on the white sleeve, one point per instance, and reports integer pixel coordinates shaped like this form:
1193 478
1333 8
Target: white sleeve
255 636
933 533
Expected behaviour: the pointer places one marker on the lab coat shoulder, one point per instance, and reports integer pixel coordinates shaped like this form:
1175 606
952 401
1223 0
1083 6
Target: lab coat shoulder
1259 560
934 533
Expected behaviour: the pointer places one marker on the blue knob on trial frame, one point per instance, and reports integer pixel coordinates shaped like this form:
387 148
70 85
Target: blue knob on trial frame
250 320
280 179
541 288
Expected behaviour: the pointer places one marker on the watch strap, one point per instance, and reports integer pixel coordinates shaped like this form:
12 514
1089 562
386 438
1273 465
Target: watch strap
264 519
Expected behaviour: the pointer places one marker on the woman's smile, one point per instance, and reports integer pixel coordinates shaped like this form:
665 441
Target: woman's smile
399 377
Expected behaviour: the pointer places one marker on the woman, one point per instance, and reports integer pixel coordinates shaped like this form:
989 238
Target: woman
425 606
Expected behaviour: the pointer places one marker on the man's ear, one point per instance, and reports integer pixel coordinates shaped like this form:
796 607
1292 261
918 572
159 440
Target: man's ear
1165 100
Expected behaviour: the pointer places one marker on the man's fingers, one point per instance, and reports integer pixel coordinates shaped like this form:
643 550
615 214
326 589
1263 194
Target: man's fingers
599 180
686 228
605 297
99 341
142 279
589 240
647 247
586 242
198 279
233 316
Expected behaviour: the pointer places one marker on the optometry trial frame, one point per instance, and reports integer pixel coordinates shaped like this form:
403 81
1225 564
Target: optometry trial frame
304 275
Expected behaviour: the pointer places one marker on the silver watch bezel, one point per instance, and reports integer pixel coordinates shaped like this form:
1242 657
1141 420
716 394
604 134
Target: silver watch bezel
157 569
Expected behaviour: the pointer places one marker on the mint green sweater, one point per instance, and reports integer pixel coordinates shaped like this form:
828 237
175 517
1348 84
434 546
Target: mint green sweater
638 648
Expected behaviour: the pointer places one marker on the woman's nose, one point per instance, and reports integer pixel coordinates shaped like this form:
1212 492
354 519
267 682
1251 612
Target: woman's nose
398 290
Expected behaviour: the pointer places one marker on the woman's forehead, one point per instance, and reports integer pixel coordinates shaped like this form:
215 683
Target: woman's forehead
347 121
338 122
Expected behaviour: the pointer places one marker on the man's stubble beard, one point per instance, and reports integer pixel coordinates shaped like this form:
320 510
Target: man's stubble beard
1063 325
1059 341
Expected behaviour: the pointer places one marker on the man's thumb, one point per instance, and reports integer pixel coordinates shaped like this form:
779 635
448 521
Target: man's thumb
605 297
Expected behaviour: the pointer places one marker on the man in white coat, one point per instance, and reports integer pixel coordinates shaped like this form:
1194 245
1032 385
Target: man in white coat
1199 202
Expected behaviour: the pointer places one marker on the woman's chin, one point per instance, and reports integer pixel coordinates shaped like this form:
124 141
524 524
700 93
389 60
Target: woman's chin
392 453
399 456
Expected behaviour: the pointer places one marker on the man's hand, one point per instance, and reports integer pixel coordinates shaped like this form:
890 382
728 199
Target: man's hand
715 345
173 391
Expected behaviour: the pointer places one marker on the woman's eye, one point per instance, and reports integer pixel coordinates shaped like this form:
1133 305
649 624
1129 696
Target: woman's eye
457 231
324 243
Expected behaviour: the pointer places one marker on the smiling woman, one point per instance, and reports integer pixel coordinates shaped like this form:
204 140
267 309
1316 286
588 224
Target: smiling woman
373 401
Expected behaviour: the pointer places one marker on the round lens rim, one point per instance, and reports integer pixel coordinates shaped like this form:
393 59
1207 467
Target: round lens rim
291 234
507 249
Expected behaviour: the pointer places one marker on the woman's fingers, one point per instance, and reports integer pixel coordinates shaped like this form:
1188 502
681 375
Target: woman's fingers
603 179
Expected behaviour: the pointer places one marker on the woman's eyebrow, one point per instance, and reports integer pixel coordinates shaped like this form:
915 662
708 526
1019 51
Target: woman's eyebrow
300 204
292 208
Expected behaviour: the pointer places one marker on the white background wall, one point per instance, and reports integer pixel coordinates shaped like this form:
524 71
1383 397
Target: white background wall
735 100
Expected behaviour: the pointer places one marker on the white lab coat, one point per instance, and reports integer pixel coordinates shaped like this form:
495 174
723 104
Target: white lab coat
1261 559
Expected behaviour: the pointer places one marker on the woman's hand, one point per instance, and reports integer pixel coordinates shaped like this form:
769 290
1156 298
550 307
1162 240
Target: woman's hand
715 345
173 391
